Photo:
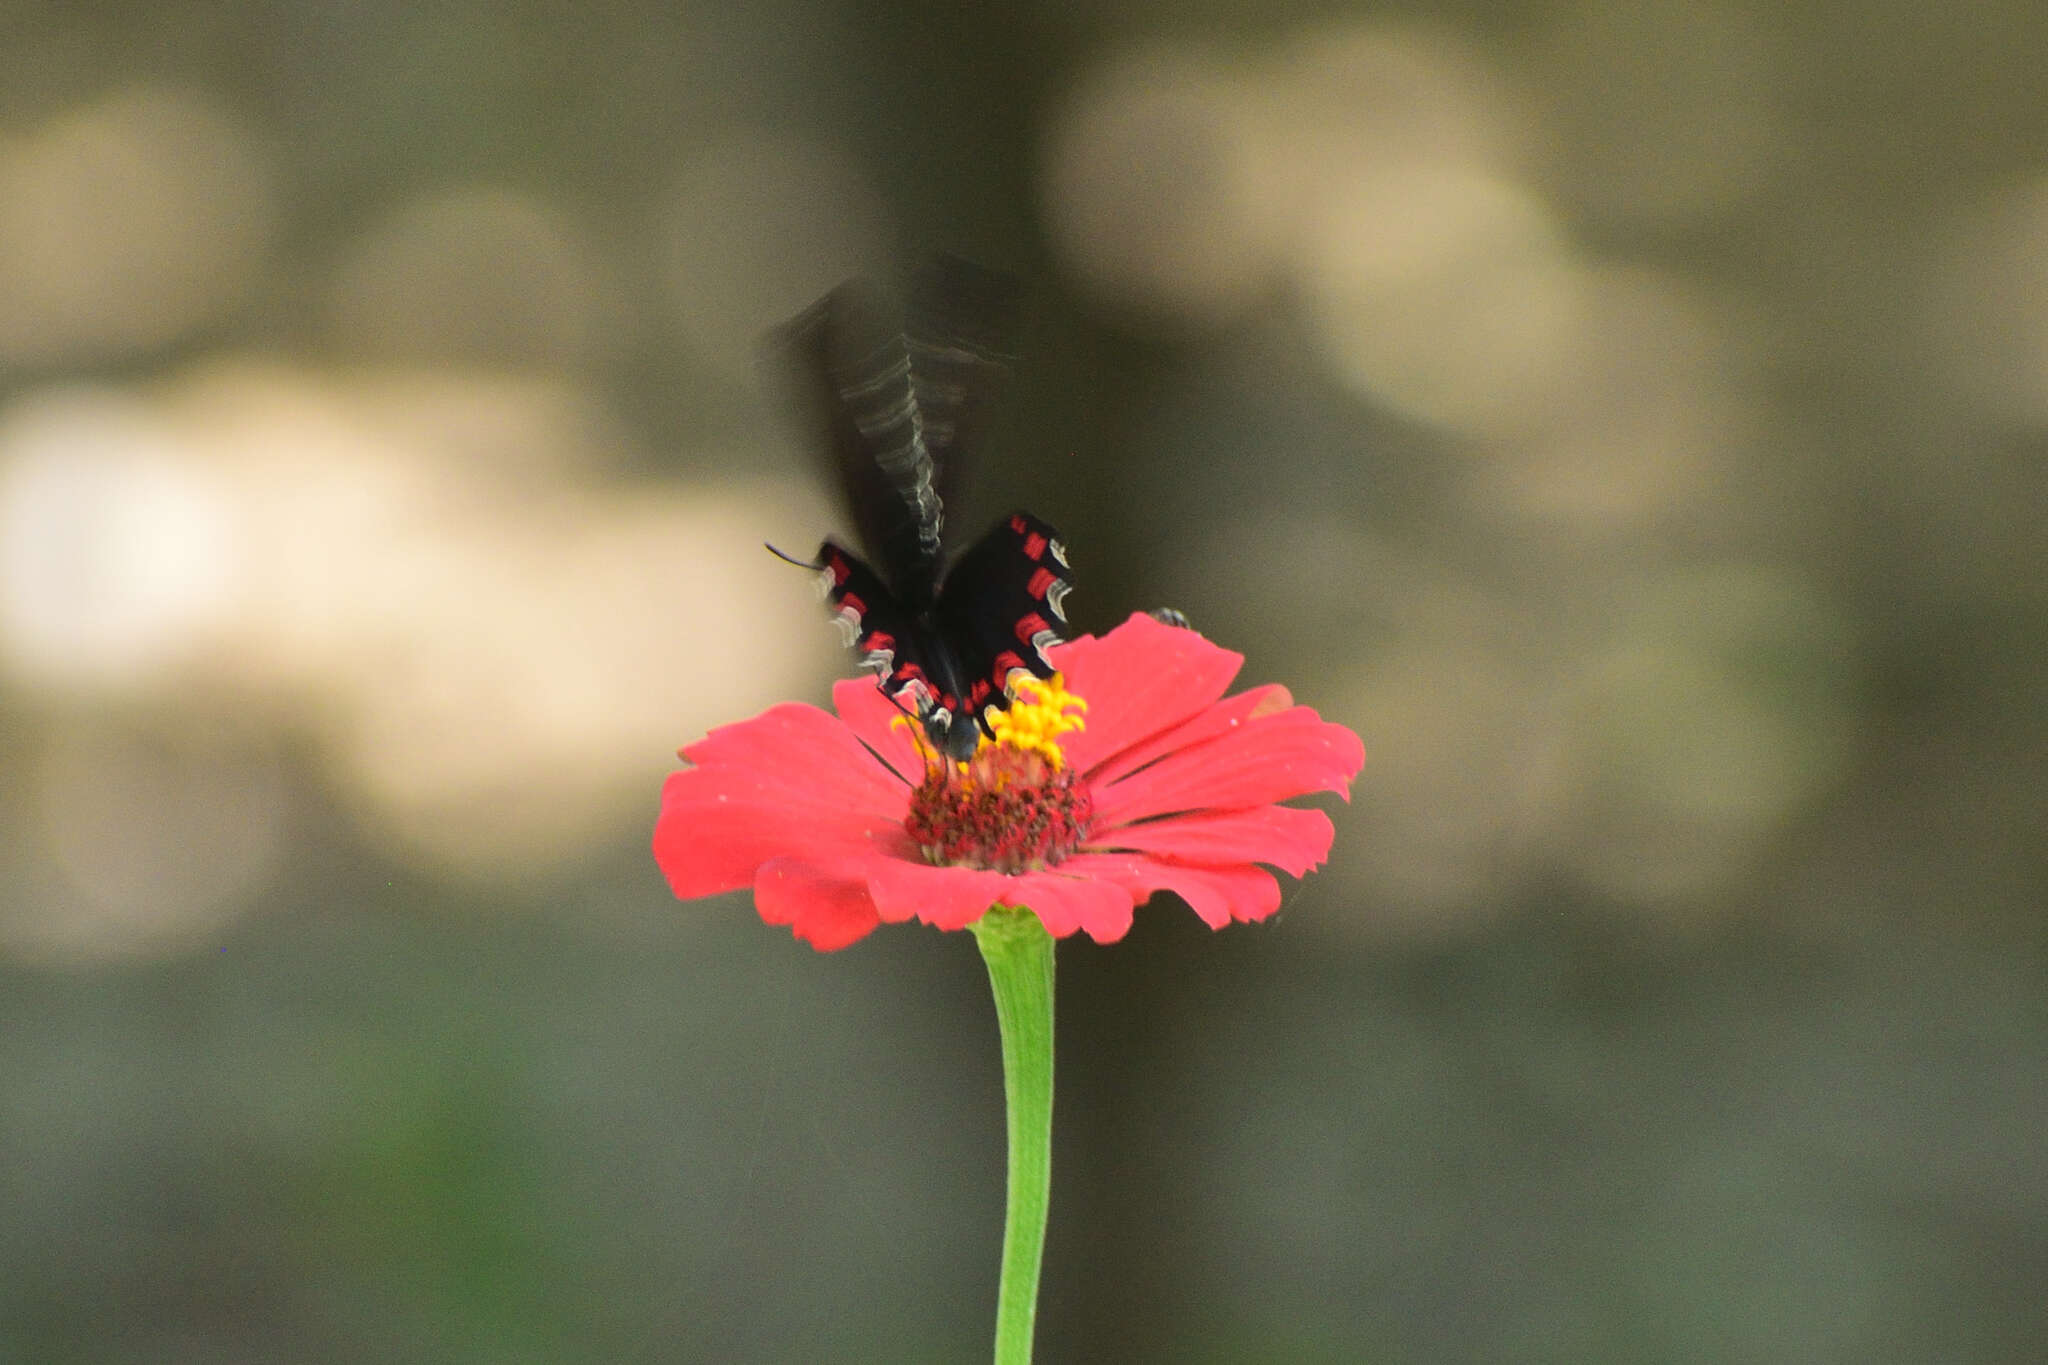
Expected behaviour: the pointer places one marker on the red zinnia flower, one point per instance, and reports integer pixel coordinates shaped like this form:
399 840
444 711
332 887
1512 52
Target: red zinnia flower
842 823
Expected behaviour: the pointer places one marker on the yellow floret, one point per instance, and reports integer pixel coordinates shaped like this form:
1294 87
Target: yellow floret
1037 716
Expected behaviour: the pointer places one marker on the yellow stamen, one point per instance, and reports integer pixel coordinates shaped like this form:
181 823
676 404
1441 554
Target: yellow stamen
1037 716
1032 723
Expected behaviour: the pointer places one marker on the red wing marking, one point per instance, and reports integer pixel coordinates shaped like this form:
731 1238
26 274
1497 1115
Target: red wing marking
1030 627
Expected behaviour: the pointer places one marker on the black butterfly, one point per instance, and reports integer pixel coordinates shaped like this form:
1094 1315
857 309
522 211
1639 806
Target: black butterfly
900 414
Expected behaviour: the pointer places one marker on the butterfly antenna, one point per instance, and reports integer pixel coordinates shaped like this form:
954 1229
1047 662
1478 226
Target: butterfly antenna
791 559
915 719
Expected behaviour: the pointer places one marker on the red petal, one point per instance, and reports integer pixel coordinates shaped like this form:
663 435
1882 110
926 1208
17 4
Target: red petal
826 909
1217 895
1139 679
706 845
874 719
793 780
797 752
1266 759
1066 903
1294 841
944 897
1217 720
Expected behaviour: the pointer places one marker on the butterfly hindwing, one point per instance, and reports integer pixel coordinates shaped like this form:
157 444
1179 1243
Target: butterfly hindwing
1003 605
889 640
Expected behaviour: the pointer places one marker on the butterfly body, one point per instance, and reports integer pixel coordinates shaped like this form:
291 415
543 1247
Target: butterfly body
947 635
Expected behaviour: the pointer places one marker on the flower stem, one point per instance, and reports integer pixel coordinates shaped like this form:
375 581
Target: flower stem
1018 952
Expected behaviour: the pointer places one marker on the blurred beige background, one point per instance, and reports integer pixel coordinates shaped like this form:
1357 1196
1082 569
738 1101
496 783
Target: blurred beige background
1630 419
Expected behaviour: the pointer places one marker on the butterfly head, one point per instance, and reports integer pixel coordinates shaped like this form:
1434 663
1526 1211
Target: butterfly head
954 736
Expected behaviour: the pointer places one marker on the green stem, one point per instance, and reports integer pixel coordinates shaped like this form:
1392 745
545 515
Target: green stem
1018 952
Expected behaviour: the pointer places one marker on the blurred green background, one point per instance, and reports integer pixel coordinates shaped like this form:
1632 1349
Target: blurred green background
1629 418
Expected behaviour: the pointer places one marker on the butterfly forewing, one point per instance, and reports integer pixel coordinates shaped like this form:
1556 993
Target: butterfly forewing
961 333
857 378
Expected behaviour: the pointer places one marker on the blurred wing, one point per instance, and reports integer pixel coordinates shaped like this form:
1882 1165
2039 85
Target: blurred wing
1004 605
962 334
856 377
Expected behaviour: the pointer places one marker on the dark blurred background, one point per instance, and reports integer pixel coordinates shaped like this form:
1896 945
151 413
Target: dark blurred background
1630 418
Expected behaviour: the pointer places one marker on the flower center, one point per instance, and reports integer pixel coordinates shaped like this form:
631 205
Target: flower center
1014 806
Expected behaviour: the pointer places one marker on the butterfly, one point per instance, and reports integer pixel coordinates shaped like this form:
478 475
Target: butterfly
900 413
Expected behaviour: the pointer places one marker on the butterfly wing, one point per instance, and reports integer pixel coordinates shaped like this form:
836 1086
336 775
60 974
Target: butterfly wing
961 333
1003 606
890 640
900 416
856 377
